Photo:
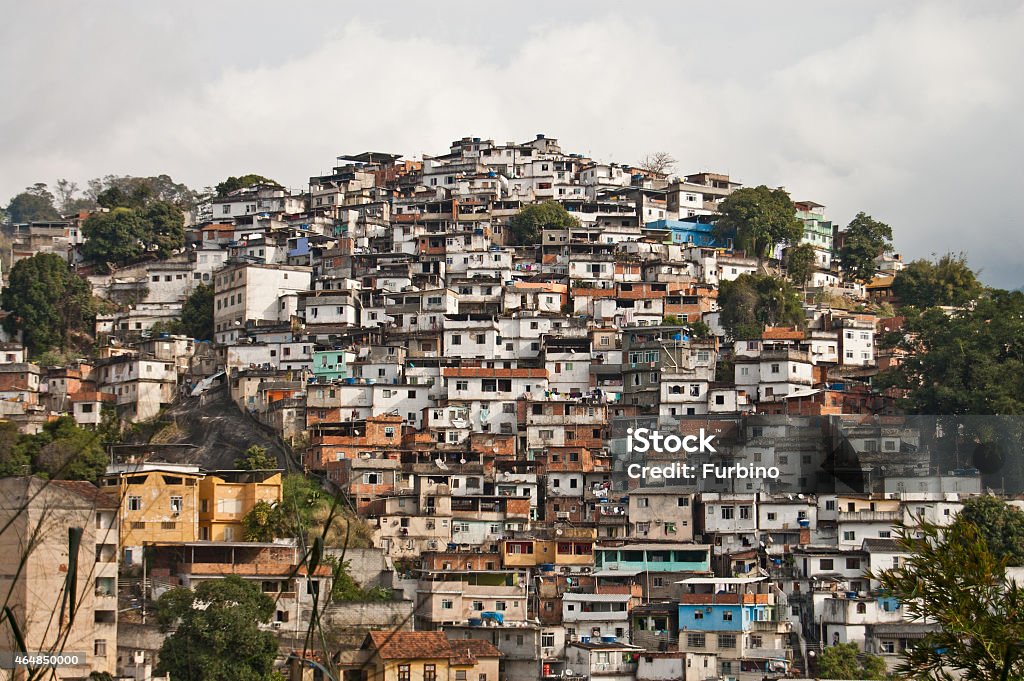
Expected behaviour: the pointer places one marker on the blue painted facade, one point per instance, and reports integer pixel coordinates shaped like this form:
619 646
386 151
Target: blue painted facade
695 617
686 232
330 365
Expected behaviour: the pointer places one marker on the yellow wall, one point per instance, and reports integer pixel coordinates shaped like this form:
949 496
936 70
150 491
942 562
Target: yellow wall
155 520
223 504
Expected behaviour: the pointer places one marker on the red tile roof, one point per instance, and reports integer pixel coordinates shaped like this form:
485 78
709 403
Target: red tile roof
782 333
468 650
409 645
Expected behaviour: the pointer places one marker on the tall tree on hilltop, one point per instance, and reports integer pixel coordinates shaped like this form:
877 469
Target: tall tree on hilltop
126 191
128 235
758 218
35 204
866 239
946 281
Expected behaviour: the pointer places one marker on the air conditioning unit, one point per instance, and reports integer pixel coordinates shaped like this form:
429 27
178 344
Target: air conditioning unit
275 625
562 515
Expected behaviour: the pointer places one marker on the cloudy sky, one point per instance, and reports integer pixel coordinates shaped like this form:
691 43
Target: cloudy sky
909 111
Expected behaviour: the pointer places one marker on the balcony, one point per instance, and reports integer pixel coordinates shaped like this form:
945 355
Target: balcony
771 626
869 516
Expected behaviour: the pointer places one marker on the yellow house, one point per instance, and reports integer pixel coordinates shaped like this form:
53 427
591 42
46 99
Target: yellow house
426 656
162 502
226 496
158 502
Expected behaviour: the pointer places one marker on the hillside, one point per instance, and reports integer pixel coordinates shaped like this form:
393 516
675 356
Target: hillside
215 426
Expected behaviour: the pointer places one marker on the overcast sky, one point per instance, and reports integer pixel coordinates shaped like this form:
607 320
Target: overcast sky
910 111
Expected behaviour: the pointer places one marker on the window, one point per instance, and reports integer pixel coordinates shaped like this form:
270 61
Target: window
727 615
727 640
849 535
500 605
176 503
825 564
728 512
683 502
694 640
547 639
862 608
670 528
745 513
756 641
853 563
772 516
478 605
429 672
643 502
888 647
99 647
134 503
698 614
404 673
775 368
830 504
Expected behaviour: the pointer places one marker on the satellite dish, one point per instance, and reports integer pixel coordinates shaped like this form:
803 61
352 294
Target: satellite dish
559 532
462 460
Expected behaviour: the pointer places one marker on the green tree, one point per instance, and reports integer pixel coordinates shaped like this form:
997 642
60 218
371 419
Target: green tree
14 459
128 235
758 218
265 522
65 451
48 302
968 362
127 191
197 313
845 661
235 183
214 632
801 261
946 281
35 204
255 458
1000 525
526 226
953 581
751 302
865 239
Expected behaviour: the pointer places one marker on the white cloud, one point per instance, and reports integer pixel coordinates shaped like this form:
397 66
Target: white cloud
910 115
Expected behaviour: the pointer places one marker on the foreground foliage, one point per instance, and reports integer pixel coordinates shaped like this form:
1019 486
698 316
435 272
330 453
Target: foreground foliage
214 632
952 580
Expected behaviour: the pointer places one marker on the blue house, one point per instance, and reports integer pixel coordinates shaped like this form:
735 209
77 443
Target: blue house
695 231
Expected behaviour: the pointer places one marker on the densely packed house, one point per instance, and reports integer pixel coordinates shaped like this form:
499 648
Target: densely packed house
471 397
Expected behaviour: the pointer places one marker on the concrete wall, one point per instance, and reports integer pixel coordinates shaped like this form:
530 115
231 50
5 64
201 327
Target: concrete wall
366 616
